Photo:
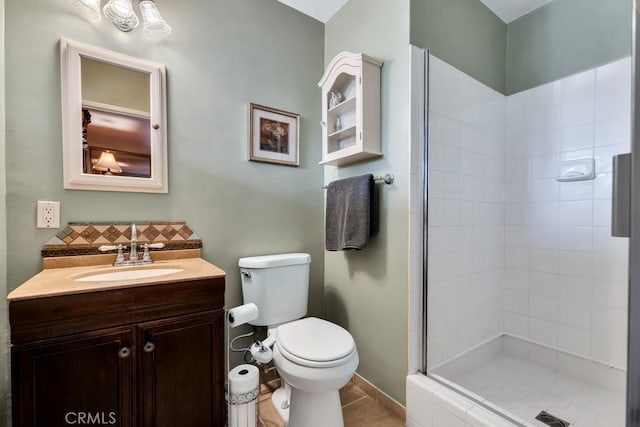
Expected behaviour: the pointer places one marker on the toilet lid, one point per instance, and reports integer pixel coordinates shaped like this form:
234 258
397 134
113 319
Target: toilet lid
315 340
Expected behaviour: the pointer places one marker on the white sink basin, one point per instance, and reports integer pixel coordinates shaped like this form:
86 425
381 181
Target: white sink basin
129 274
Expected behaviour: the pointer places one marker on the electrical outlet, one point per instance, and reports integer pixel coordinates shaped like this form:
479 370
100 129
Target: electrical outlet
48 215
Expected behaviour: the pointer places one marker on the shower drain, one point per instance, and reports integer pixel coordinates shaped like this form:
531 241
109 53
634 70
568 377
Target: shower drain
551 420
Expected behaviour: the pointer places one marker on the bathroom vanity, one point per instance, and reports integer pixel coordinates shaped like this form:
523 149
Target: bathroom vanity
140 351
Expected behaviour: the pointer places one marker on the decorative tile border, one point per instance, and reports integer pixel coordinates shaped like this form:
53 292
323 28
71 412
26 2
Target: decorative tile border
84 238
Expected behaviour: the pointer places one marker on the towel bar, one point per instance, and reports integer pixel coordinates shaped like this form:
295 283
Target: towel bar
387 179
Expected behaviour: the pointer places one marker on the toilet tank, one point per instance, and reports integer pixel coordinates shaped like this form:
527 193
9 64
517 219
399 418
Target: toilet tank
278 285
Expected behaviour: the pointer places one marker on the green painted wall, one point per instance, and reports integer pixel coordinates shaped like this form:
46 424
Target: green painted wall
565 37
366 291
221 56
559 39
5 402
465 34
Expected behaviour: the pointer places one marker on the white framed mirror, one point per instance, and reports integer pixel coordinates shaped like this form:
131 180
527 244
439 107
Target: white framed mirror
114 126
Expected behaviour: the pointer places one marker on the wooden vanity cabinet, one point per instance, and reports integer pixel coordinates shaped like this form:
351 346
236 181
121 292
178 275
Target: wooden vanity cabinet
150 355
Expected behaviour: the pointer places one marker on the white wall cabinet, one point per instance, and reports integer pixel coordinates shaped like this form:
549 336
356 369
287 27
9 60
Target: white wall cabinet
350 109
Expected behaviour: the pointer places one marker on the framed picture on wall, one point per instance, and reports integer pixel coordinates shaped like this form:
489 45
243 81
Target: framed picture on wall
274 135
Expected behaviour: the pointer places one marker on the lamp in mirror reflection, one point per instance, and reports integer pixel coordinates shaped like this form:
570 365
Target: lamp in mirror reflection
123 16
107 164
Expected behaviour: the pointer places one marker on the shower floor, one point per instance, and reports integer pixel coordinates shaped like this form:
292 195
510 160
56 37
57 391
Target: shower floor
523 379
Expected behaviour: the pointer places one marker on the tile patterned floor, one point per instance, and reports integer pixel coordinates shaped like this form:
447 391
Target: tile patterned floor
525 389
358 408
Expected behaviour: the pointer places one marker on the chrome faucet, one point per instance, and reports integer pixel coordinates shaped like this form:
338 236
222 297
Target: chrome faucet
133 255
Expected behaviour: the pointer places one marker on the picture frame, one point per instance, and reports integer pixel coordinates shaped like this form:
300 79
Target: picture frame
274 135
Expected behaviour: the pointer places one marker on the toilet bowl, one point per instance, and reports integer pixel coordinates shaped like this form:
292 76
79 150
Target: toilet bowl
315 358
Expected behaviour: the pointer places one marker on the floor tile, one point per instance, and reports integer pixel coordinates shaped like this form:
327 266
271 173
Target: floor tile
367 413
268 415
350 394
359 410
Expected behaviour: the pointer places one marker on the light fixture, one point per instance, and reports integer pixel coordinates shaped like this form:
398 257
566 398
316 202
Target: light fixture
122 15
107 164
89 8
154 25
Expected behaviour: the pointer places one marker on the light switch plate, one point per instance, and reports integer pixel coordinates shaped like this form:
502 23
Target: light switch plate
48 214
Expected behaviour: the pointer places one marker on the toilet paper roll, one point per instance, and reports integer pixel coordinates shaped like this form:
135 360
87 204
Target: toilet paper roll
243 379
242 314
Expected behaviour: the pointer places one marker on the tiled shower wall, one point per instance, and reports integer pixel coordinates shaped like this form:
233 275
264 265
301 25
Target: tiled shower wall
466 211
510 248
566 277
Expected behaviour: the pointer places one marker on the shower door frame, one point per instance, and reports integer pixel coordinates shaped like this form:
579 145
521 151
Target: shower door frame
633 331
418 221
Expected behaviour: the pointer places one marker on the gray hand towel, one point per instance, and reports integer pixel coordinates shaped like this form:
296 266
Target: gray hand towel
352 213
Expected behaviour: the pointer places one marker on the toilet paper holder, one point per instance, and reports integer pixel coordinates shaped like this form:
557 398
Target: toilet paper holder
243 390
260 350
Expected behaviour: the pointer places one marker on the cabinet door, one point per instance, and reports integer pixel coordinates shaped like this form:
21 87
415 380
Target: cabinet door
181 371
86 378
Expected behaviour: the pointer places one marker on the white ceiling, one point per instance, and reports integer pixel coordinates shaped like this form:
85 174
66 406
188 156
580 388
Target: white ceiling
510 10
322 10
507 10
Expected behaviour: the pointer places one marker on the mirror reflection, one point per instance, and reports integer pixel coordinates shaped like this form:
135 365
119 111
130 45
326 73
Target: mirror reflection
116 120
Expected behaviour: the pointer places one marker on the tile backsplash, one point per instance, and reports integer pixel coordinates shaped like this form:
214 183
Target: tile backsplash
84 238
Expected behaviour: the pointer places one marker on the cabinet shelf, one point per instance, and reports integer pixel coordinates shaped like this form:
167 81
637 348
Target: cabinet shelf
343 133
344 106
348 155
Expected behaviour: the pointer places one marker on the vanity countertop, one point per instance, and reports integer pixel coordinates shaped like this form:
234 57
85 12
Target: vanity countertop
63 281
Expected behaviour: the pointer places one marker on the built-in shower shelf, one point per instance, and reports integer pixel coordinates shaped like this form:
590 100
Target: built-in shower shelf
577 170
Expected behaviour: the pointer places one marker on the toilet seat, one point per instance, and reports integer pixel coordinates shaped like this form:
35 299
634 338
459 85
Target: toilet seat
315 343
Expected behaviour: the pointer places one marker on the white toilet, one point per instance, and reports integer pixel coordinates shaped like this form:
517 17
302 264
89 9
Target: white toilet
315 358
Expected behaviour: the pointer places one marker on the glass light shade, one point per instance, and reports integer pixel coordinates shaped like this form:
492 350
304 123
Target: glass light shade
154 25
89 8
121 14
107 163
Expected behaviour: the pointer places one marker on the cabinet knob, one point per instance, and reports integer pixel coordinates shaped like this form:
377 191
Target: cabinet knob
149 347
323 123
124 352
156 126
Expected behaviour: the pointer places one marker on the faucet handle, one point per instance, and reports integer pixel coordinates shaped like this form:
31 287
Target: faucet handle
119 248
145 255
109 248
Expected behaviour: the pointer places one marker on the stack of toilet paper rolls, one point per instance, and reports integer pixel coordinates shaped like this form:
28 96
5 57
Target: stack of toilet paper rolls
244 389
